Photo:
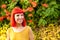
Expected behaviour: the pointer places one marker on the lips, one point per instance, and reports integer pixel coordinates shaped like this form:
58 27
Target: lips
19 20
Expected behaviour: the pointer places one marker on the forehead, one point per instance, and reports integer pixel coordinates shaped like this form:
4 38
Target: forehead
19 14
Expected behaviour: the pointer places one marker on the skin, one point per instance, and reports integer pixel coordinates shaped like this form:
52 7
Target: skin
19 19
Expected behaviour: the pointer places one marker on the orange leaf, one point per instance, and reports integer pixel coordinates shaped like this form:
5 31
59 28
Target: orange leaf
8 18
30 15
3 6
45 5
1 18
34 4
30 9
30 1
7 12
30 21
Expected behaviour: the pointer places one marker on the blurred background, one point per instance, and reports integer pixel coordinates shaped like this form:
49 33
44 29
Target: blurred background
43 16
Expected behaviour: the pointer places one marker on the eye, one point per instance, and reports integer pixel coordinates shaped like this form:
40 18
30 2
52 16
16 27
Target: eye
17 15
22 15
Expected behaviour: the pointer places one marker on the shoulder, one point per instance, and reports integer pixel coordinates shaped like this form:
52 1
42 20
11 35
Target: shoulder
28 27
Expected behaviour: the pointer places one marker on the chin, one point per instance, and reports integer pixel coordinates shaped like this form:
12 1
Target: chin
19 22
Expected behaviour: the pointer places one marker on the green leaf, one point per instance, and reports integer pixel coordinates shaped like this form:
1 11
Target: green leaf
12 5
3 13
52 2
42 22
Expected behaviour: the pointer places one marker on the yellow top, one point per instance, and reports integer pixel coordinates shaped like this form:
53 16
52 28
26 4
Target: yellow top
23 35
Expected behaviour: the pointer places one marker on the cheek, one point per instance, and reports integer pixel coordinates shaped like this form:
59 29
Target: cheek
19 18
22 17
15 18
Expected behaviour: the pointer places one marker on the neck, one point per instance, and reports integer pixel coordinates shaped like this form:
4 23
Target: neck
19 25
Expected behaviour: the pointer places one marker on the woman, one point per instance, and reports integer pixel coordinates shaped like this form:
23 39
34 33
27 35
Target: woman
19 30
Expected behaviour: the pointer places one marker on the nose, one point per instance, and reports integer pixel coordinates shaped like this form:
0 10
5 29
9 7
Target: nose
20 16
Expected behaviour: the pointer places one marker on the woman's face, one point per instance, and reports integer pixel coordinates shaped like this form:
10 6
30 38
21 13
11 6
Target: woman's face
19 17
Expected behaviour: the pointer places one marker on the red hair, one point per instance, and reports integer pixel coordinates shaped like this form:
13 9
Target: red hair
15 11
